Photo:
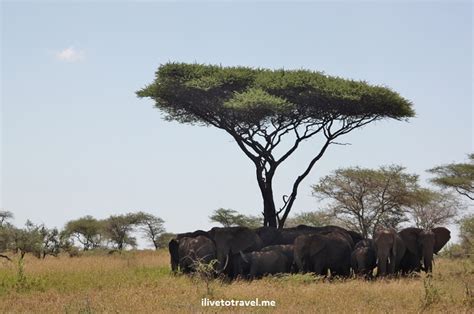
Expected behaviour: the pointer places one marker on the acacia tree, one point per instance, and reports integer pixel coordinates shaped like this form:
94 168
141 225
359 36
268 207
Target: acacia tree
118 229
364 199
5 215
263 109
430 208
152 227
86 230
312 218
466 233
457 176
231 218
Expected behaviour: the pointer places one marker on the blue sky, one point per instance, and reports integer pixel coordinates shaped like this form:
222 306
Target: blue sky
77 141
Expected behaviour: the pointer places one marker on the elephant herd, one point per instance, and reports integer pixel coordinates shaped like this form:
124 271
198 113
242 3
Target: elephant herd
253 253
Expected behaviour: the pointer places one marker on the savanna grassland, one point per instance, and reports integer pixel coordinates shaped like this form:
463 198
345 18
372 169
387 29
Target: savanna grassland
141 282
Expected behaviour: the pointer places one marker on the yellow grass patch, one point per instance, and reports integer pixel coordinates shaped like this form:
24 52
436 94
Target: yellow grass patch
141 282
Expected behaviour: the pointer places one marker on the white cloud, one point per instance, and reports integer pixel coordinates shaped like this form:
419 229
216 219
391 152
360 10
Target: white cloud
70 55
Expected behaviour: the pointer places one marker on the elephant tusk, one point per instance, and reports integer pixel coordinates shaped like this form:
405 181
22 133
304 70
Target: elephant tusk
226 261
243 257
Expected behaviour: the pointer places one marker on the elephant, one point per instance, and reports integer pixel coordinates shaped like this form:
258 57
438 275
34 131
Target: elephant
230 241
257 264
363 259
193 234
319 253
191 251
420 245
173 246
269 235
287 250
389 249
288 235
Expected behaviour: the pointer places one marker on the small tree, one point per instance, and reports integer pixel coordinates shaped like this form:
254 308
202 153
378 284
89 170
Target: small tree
312 218
431 208
457 176
226 217
270 113
152 227
118 229
230 218
466 233
164 239
86 230
52 243
364 199
250 221
6 238
27 240
5 215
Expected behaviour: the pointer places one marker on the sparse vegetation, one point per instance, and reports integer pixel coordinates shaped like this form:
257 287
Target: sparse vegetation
140 281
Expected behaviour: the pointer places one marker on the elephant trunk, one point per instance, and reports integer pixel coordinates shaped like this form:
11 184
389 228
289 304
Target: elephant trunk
222 259
382 263
428 260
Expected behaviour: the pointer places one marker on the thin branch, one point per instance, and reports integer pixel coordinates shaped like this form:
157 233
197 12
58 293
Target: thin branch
464 193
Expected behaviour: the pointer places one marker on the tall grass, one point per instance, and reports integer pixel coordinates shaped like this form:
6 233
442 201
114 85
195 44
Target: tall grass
142 282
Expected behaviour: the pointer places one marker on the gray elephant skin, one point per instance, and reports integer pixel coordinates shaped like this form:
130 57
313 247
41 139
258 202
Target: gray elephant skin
231 241
363 259
319 253
289 235
227 243
173 246
260 263
195 250
390 249
420 246
288 251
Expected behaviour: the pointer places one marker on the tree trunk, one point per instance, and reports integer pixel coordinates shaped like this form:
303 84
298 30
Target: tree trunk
269 211
265 185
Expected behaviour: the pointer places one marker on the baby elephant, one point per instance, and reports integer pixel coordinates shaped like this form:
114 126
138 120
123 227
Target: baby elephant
287 250
363 258
257 264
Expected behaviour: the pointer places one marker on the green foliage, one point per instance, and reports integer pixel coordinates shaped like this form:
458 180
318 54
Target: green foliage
466 233
28 240
186 91
35 239
259 107
152 227
312 218
431 208
118 228
364 199
231 218
164 238
5 215
431 294
454 250
86 230
458 176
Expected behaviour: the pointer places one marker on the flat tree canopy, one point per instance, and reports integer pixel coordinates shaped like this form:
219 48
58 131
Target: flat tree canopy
457 176
257 107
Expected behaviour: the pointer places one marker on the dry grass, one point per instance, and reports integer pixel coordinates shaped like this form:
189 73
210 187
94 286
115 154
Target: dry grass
141 282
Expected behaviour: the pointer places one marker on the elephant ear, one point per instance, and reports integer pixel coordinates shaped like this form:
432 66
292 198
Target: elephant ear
410 239
442 236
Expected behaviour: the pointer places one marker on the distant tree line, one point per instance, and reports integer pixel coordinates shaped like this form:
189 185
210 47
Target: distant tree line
355 198
85 233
